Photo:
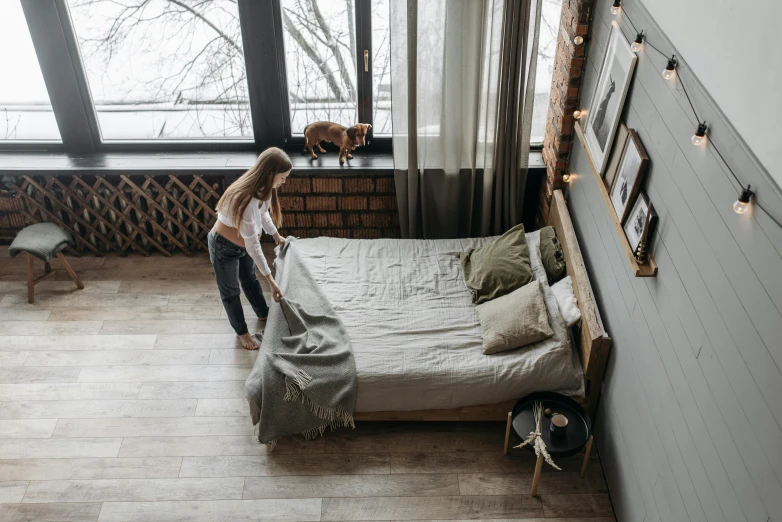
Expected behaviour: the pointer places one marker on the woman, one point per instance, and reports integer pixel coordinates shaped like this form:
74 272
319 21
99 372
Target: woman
248 207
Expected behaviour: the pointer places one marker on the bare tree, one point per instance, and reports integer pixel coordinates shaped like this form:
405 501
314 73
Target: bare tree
549 28
11 124
198 56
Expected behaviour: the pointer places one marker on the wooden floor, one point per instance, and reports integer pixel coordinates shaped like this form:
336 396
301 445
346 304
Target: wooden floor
125 402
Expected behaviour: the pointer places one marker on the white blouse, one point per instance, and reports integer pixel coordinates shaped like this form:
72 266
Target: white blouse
255 219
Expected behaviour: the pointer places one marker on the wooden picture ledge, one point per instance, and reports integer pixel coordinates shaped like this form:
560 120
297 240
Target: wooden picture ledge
646 270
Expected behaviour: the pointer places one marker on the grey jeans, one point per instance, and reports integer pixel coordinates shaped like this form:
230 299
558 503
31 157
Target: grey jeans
233 267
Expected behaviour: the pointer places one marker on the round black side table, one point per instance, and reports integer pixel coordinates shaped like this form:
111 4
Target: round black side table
578 430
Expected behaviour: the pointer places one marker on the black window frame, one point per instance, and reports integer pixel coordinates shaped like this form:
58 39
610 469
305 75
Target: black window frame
59 58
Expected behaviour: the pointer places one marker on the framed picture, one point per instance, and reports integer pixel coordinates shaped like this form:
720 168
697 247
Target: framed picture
622 133
627 182
637 223
605 107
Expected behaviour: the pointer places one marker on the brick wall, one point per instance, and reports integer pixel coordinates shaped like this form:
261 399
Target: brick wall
569 64
359 208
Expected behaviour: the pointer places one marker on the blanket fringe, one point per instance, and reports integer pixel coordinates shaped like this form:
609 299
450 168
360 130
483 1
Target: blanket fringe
316 432
337 417
295 384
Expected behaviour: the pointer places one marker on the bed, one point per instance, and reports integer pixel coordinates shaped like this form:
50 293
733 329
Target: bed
417 340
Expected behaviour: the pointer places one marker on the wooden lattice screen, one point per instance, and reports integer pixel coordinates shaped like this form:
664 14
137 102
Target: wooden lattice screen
148 213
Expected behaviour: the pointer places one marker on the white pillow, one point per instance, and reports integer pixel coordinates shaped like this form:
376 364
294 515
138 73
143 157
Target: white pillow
566 299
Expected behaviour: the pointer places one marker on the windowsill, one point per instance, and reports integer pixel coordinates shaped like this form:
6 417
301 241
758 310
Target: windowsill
224 163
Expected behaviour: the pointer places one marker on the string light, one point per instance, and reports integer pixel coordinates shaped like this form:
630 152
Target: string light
742 204
566 177
578 40
616 7
700 134
577 114
639 40
670 69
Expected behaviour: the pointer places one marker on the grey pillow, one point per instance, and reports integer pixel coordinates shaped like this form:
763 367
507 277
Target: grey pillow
498 268
551 255
514 320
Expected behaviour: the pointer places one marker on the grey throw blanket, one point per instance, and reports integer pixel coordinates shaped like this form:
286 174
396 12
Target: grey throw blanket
304 379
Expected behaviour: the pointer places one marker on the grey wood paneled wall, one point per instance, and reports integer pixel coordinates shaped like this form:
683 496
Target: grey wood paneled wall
689 421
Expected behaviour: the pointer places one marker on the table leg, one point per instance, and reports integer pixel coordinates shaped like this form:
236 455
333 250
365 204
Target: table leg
536 477
507 434
586 457
70 270
30 280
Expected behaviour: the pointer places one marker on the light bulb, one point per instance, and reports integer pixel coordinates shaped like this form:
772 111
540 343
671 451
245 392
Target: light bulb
616 7
742 204
577 114
566 178
639 39
700 134
670 69
578 40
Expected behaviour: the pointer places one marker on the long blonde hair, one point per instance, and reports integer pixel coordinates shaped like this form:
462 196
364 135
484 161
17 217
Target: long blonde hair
257 182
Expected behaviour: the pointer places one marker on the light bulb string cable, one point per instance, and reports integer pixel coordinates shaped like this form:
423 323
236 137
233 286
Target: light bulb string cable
711 142
684 89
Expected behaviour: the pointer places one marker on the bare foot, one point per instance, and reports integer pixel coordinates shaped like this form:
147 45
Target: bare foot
248 342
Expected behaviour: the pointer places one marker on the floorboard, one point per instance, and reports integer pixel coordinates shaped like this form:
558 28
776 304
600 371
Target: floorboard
64 512
134 490
68 391
89 468
77 342
27 428
125 401
233 510
12 492
96 409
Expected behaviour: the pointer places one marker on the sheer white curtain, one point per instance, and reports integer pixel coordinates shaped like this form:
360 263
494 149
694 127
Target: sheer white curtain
459 76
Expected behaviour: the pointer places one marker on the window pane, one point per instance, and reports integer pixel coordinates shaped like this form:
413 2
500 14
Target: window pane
320 61
164 70
381 68
547 47
25 110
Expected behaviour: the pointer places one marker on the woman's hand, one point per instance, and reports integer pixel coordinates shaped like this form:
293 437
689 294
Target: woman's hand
278 239
276 292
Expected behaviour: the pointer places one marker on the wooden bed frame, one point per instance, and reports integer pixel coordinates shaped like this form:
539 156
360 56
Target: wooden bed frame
592 343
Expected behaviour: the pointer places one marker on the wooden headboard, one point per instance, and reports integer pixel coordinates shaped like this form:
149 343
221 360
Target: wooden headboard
593 343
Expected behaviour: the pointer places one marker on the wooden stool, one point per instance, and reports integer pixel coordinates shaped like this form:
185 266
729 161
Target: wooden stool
44 241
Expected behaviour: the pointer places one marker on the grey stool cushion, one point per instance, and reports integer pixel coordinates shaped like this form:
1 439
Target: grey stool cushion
43 240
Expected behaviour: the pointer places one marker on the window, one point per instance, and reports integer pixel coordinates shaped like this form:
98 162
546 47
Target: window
164 70
320 62
172 74
547 48
25 110
381 68
326 52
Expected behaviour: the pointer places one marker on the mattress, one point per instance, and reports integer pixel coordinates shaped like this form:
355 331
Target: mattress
415 331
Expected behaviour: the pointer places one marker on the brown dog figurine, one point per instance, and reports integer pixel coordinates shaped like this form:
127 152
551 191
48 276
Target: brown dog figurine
346 138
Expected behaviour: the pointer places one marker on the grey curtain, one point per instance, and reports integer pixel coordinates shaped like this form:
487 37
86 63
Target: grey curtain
462 85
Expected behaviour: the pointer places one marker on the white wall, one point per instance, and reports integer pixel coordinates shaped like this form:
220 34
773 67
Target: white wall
734 49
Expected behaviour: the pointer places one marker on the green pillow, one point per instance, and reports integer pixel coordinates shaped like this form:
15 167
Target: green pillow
499 268
551 256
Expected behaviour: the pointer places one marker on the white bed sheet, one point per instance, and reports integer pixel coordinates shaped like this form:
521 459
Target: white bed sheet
415 332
